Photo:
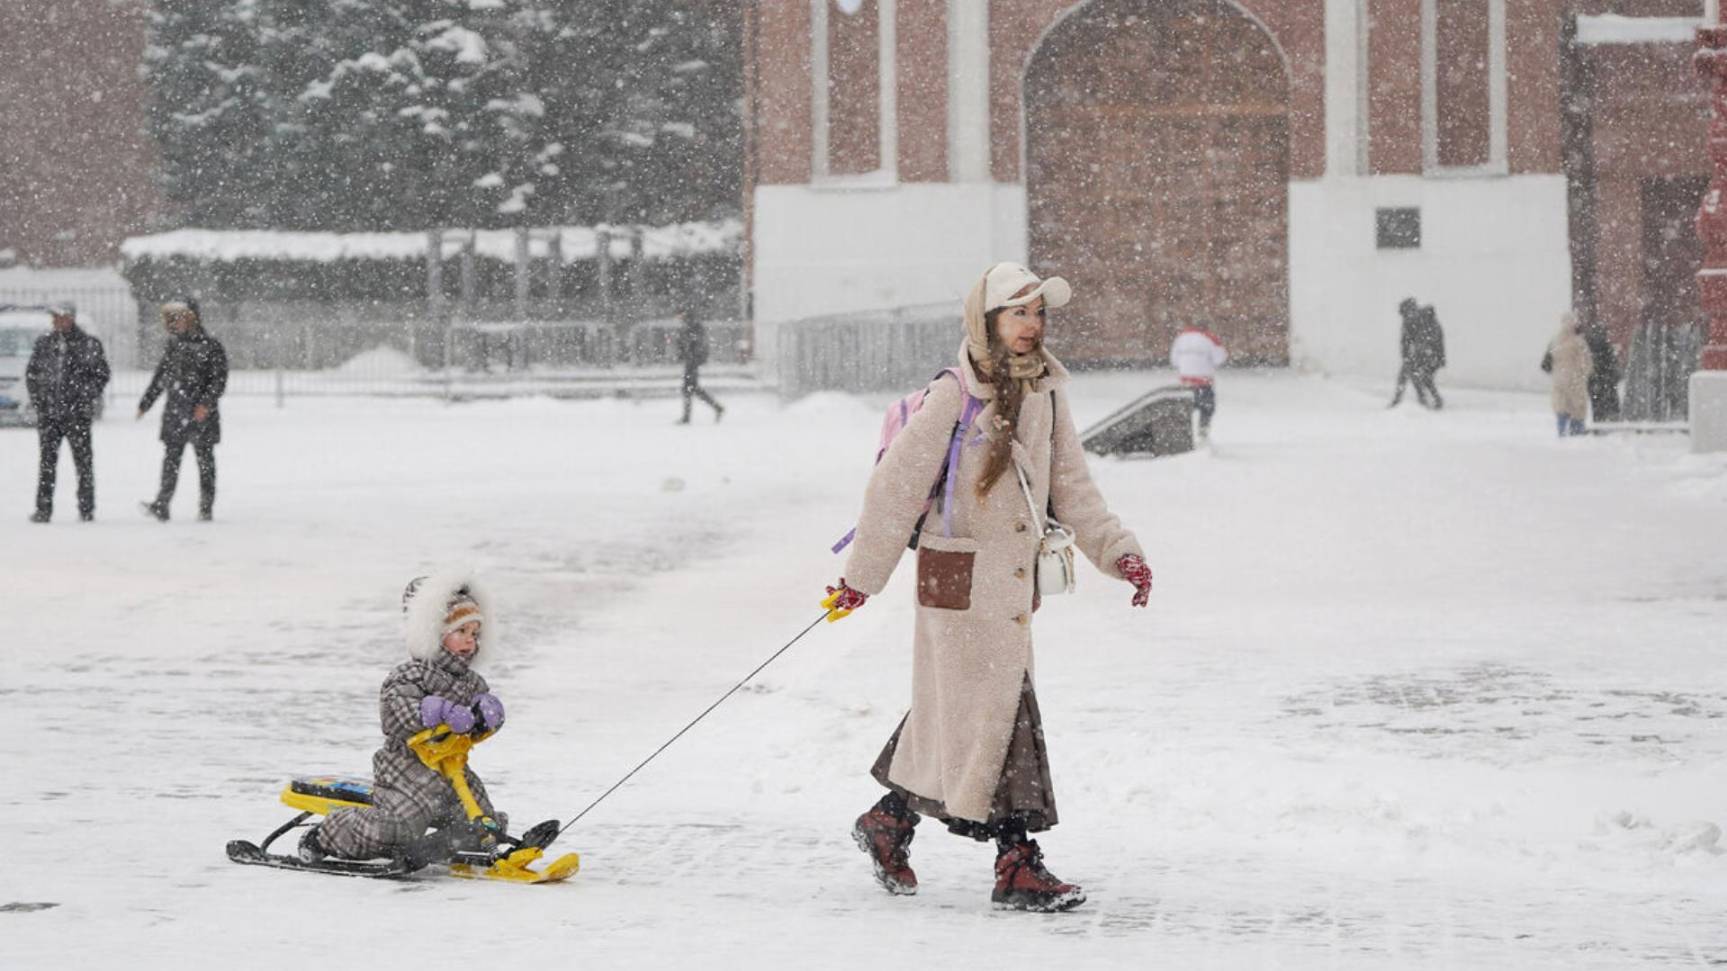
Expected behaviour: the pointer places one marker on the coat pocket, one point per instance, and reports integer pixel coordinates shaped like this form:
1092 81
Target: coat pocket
944 569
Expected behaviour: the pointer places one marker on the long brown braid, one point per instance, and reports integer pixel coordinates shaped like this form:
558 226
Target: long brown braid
1009 395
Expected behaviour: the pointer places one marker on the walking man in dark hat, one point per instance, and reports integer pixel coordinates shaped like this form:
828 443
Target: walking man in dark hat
192 376
65 378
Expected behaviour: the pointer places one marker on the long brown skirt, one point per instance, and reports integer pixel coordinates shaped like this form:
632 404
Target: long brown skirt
1024 792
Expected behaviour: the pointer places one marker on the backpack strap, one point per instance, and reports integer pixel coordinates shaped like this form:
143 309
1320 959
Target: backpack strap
968 413
943 486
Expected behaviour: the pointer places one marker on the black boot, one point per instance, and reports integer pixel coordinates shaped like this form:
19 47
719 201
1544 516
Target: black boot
311 849
445 845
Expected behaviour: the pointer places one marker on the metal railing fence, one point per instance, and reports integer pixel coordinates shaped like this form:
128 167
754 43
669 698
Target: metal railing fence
866 351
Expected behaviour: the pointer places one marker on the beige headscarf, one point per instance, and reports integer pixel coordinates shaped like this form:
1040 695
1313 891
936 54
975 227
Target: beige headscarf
1024 368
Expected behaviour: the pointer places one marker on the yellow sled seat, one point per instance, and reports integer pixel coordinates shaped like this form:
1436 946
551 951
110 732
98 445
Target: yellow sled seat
322 794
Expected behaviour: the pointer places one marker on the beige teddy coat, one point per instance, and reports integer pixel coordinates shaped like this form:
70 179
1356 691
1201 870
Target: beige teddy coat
1571 369
972 648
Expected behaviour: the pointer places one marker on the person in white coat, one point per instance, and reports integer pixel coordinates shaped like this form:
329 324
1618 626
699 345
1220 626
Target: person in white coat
971 752
1570 364
1196 354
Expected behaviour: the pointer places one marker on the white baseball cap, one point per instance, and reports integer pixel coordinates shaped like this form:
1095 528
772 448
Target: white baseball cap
1004 280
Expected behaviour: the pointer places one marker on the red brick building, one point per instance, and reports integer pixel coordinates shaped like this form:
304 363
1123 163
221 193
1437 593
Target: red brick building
1282 172
76 164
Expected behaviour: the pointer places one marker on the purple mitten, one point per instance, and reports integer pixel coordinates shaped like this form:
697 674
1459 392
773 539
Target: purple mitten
489 712
435 711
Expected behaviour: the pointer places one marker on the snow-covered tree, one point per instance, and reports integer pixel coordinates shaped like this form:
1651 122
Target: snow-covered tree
404 114
211 115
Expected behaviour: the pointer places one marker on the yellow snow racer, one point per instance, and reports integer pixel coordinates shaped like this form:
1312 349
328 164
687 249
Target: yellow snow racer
490 854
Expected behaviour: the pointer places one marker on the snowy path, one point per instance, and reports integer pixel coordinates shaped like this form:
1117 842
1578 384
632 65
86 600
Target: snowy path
1417 691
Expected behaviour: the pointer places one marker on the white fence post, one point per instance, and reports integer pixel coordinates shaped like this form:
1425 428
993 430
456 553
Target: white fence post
522 264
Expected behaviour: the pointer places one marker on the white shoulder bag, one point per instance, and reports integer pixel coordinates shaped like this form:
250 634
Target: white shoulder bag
1055 571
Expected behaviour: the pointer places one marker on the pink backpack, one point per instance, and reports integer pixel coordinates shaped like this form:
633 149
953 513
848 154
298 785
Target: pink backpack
898 416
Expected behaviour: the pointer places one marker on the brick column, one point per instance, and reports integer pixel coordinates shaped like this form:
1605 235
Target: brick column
1709 383
1711 63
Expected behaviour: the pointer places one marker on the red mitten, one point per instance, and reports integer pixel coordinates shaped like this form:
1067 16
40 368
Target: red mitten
842 600
1133 569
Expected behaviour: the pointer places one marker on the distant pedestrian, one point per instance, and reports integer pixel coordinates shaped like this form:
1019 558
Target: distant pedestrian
1568 361
1422 346
65 378
1604 379
693 351
1197 354
193 374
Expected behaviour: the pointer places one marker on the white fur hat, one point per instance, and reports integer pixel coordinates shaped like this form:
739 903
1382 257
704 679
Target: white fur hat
431 603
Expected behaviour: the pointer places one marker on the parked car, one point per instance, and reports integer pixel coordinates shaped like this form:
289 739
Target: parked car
19 328
18 332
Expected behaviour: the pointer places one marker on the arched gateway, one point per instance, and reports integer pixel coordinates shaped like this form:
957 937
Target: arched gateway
1157 171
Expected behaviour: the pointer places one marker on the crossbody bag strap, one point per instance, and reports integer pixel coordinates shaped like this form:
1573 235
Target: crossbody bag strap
1025 484
1030 503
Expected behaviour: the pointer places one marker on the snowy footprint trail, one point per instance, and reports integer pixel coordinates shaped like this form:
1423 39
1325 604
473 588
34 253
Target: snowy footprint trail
1415 690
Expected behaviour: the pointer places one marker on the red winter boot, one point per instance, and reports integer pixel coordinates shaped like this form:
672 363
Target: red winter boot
1021 882
887 840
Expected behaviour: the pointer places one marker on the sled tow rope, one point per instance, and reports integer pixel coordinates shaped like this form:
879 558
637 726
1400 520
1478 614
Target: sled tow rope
691 725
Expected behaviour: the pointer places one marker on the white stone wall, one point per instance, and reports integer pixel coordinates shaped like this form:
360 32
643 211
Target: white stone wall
825 249
1493 262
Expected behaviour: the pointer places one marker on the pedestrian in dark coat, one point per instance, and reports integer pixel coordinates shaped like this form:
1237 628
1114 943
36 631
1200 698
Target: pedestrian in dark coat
65 378
1422 346
693 351
1604 378
193 374
449 634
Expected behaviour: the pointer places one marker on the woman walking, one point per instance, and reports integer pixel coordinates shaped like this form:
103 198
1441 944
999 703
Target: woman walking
1568 359
971 751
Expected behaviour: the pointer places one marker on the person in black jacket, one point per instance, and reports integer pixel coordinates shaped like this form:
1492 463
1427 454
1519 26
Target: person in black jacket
193 374
693 351
65 378
1423 353
1604 379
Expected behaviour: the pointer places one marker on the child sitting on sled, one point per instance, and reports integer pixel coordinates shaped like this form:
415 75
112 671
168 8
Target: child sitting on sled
445 619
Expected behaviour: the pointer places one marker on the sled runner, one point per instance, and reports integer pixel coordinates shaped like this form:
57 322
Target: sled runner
1159 422
495 855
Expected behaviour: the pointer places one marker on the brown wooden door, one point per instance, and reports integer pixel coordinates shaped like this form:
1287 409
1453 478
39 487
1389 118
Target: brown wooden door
1157 169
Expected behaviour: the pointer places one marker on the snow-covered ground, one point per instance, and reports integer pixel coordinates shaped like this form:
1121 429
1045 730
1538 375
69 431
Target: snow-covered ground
1415 690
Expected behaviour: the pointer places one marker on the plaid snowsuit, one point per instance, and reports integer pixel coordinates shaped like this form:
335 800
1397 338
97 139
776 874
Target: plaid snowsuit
407 797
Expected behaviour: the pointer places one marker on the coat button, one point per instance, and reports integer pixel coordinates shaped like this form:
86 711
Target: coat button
1019 527
1019 619
1019 574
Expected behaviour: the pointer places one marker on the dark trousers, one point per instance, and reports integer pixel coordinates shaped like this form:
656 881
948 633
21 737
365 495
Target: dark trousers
1007 831
693 389
1205 403
171 455
76 434
1425 391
